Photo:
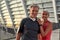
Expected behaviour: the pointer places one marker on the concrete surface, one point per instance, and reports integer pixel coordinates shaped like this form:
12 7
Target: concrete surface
8 36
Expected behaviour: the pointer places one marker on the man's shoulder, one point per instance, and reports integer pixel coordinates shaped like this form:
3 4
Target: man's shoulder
50 23
25 19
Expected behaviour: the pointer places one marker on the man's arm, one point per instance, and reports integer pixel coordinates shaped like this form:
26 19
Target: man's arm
20 30
18 36
44 33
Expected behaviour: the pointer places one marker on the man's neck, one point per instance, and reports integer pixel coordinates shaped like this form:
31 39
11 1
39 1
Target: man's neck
32 18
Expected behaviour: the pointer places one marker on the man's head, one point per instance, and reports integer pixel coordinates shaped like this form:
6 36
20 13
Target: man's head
34 10
45 15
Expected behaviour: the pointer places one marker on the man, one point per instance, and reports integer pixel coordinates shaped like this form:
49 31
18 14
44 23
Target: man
29 27
46 28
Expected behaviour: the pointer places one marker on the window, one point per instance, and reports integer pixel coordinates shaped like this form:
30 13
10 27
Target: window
52 19
49 9
4 7
51 14
40 11
57 0
2 2
58 3
5 11
59 21
58 8
6 14
58 15
12 2
46 0
48 5
41 5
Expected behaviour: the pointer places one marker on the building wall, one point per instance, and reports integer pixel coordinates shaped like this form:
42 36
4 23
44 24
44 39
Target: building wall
44 5
58 9
13 11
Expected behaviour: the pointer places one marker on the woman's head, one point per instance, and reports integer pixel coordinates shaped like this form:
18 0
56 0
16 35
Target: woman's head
45 15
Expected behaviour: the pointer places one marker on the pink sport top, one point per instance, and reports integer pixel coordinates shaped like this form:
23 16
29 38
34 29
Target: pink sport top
47 37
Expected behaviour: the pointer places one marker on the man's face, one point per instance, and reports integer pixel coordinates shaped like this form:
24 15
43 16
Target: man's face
34 11
45 15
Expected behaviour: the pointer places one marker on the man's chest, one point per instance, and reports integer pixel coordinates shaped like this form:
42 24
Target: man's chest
31 25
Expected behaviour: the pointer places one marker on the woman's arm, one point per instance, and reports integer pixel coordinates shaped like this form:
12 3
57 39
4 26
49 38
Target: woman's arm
44 33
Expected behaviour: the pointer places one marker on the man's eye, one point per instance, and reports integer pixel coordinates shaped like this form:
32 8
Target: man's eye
36 11
33 10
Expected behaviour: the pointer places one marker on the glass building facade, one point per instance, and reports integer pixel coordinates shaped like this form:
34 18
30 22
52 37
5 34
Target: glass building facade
13 11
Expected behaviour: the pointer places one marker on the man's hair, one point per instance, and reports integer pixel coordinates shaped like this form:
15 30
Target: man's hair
34 5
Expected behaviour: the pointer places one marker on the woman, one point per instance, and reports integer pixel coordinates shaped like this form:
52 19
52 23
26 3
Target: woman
46 26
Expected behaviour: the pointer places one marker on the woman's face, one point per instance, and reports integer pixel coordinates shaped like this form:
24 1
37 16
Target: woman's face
45 15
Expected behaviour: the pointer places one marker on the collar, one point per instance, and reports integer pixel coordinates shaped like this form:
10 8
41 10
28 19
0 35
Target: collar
33 19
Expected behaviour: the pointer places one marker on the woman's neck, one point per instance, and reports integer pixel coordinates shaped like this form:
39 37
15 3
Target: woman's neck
45 20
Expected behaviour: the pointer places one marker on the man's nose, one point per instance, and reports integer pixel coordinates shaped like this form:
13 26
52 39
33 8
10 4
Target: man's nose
35 12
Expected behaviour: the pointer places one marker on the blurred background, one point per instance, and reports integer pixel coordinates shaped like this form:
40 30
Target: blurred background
13 11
